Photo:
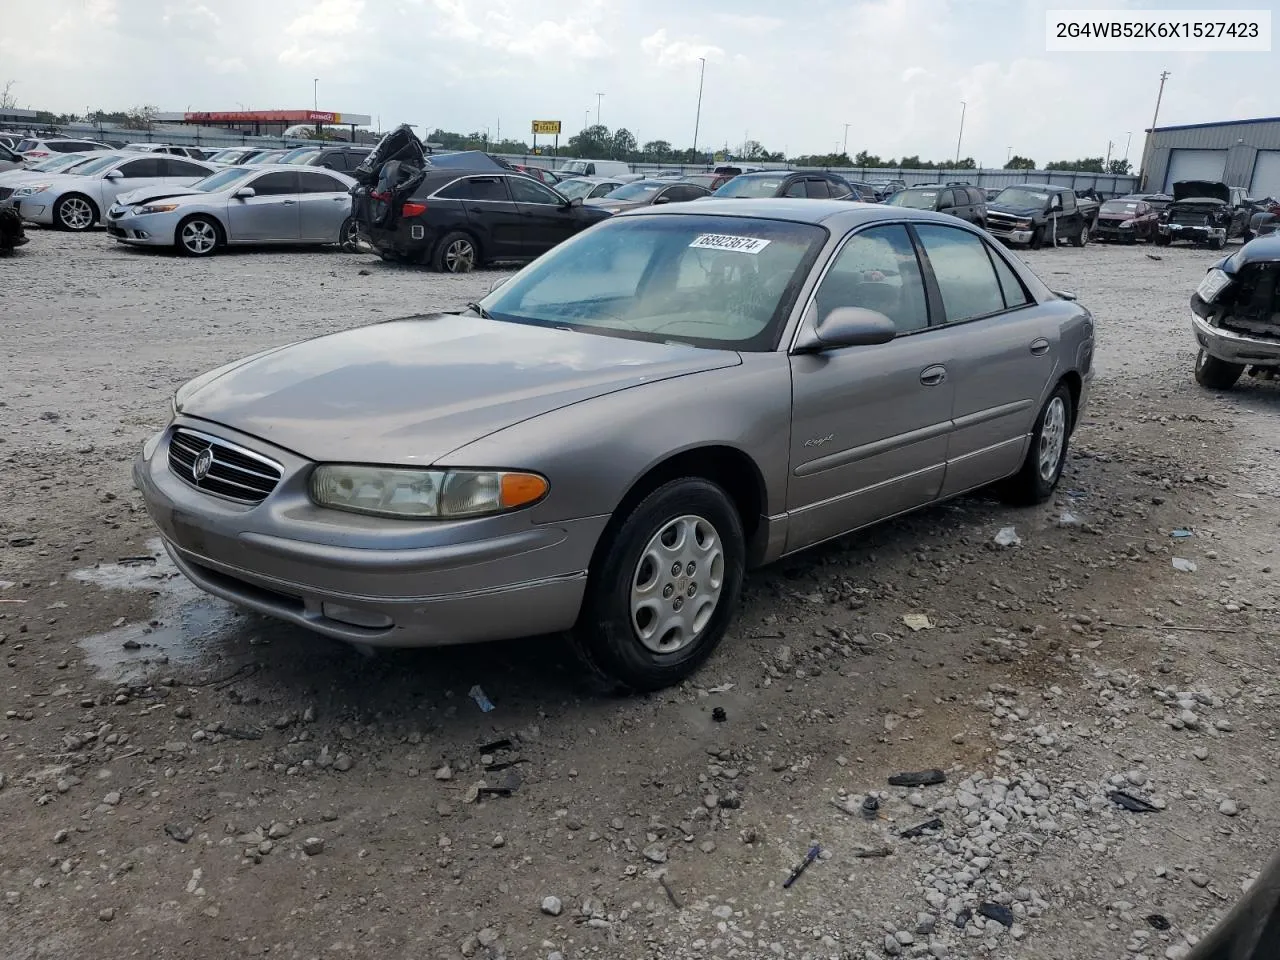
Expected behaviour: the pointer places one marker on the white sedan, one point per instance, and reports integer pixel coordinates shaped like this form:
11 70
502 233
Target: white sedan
79 199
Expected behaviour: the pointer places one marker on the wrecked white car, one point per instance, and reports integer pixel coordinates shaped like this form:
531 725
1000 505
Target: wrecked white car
1235 315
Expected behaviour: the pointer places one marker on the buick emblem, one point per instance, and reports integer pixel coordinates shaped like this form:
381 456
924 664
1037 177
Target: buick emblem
204 461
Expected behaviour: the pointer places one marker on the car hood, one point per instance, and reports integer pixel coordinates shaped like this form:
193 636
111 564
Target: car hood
1119 217
158 192
411 391
1008 208
604 203
1186 189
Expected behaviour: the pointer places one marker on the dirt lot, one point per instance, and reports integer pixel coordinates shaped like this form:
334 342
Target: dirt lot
181 780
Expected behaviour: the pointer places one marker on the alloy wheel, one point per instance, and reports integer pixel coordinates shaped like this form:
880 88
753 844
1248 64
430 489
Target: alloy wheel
75 214
1053 434
199 237
460 256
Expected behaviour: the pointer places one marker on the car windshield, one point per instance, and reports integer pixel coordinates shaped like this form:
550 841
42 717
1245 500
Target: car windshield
300 155
1120 206
640 190
222 180
63 161
917 199
1021 197
223 156
575 188
25 145
96 165
724 282
750 187
575 166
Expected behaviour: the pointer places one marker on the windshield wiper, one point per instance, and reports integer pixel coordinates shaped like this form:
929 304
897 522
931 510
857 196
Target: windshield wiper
484 314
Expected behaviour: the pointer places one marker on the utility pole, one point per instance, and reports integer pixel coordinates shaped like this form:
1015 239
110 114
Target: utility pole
1106 164
497 137
845 149
1008 155
586 117
599 97
315 94
697 117
1128 138
1151 135
959 139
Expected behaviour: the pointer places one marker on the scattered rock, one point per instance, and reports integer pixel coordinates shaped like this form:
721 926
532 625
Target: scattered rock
552 906
445 773
112 799
655 853
313 846
1229 808
107 914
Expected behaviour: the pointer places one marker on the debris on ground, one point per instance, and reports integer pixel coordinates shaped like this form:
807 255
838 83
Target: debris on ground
482 701
1183 564
802 866
918 621
921 778
1134 804
1007 537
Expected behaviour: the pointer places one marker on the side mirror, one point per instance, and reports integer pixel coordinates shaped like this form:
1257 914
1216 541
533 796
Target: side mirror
663 199
497 283
245 193
575 202
1063 294
848 327
114 175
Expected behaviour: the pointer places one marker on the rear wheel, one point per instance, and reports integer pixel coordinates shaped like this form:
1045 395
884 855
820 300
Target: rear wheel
349 235
198 236
1216 243
1042 468
1037 238
1216 374
74 212
1082 236
664 587
1162 240
456 253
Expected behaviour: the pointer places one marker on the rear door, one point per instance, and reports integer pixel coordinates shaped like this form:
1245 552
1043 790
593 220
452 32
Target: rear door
272 214
1003 352
816 188
492 215
545 219
796 188
182 172
143 172
323 204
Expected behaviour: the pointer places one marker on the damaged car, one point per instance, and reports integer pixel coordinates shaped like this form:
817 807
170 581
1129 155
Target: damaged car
1126 220
1235 315
1204 211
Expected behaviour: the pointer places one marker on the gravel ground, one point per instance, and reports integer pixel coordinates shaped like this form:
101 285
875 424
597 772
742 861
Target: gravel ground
178 779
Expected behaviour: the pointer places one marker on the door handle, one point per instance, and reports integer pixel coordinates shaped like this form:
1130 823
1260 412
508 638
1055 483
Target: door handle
337 199
288 203
1039 347
932 376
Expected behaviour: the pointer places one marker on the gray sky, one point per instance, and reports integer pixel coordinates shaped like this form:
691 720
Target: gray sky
788 75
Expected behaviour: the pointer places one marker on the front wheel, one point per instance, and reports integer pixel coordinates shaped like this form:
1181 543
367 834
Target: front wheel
75 213
1216 374
1162 240
1037 238
456 253
1042 468
664 587
197 236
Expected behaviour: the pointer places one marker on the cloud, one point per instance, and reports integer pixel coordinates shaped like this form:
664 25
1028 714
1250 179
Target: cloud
667 52
190 17
327 34
911 73
225 64
510 30
756 24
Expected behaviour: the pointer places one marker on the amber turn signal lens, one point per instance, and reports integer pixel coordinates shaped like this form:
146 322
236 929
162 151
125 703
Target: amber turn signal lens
519 489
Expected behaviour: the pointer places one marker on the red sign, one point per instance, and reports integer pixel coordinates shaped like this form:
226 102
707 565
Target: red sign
264 116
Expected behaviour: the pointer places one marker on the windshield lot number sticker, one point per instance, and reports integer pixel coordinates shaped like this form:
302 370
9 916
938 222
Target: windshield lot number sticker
724 241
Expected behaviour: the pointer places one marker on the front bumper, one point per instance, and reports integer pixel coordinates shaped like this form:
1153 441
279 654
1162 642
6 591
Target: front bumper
148 229
1232 347
35 208
1017 235
367 580
1102 230
1196 234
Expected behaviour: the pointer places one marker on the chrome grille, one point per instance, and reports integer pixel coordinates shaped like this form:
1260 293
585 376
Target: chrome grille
231 471
1004 221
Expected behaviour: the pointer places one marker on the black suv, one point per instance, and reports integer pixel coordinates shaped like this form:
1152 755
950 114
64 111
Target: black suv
959 200
454 220
340 157
786 183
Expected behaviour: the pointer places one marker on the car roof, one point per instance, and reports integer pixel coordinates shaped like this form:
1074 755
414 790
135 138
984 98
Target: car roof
839 214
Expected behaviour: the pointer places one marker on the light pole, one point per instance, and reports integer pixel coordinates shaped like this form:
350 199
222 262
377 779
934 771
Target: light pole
586 117
845 149
315 94
697 117
599 98
1128 138
1008 155
1151 135
960 138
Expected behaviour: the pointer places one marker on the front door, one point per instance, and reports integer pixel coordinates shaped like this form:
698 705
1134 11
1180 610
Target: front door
143 172
271 214
1004 351
492 214
181 172
324 204
545 219
869 424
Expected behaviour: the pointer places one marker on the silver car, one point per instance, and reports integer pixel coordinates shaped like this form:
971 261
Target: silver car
10 180
239 205
78 199
605 442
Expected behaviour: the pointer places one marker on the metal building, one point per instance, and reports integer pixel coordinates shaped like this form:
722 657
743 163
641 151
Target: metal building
1240 153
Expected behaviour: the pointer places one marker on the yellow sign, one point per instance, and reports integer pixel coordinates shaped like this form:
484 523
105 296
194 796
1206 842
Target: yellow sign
547 127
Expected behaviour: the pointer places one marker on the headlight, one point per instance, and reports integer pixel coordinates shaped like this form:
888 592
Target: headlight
1214 282
30 189
1126 224
155 208
1023 222
424 494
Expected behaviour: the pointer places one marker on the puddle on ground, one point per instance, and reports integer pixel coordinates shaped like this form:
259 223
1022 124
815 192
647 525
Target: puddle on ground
183 624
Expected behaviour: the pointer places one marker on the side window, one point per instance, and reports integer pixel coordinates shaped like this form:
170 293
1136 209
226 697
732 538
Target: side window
796 189
488 188
146 167
1015 294
946 200
838 188
681 192
312 181
965 276
600 189
175 167
1068 201
277 184
528 190
877 269
816 189
458 190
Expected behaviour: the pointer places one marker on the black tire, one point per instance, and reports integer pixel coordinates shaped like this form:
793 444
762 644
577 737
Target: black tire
1037 238
74 212
1081 237
1031 485
349 235
1162 240
456 252
607 635
198 236
1216 243
1216 374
